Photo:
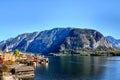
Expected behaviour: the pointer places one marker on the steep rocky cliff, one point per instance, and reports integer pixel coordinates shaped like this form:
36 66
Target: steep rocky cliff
84 38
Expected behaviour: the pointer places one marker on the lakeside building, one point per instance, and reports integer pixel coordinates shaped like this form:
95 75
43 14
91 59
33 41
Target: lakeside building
27 57
8 56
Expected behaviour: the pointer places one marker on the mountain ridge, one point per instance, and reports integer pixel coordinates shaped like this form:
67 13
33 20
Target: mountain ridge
115 42
55 40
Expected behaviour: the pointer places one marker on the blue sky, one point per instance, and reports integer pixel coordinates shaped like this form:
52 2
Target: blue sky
22 16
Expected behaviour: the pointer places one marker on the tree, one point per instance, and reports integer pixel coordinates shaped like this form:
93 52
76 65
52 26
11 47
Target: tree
16 53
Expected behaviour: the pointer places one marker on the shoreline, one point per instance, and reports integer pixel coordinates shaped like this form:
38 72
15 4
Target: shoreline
87 53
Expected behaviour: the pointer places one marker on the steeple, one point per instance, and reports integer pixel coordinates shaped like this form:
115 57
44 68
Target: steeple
6 49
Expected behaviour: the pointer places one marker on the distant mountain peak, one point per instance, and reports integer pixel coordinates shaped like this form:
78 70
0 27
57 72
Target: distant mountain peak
115 42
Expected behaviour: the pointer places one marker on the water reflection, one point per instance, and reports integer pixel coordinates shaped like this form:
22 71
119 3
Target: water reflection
46 65
82 66
77 68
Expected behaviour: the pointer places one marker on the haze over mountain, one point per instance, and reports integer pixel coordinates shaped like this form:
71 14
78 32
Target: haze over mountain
115 42
55 40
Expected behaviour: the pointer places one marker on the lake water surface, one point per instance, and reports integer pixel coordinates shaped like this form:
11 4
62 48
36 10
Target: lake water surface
79 68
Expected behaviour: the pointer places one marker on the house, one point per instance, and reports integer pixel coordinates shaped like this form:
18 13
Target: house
23 57
8 56
30 57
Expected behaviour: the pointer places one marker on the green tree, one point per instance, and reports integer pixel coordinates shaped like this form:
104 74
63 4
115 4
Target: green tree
17 53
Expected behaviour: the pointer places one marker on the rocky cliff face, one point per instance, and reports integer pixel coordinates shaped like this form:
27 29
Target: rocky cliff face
21 42
55 40
84 38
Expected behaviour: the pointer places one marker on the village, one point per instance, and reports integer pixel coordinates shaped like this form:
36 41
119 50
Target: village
19 66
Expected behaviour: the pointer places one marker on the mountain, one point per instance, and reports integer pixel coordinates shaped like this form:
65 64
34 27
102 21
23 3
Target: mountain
115 42
55 40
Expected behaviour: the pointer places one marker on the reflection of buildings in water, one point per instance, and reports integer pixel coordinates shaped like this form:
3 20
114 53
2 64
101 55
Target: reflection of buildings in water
46 65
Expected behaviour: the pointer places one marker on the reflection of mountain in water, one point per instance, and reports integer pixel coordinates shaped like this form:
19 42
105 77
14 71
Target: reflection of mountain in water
70 68
83 66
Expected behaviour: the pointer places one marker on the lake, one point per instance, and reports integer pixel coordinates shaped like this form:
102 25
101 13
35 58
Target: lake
79 68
